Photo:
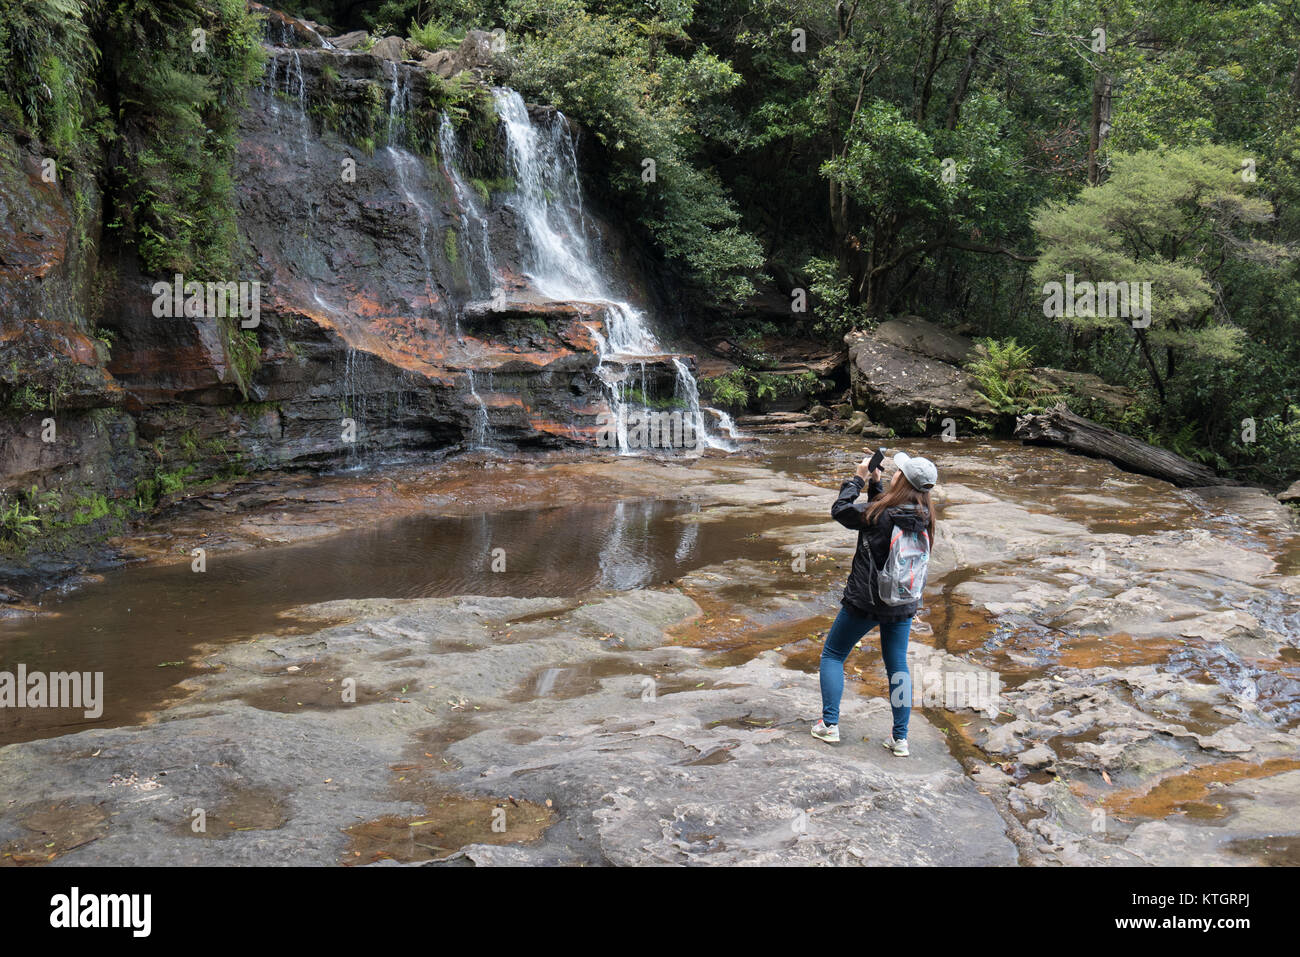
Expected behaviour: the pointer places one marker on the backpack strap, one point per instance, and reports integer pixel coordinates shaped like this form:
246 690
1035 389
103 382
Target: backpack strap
875 572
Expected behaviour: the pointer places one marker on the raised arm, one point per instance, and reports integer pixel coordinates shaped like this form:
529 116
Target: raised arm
845 510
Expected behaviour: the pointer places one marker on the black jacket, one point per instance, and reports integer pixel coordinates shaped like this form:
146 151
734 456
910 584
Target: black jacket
860 594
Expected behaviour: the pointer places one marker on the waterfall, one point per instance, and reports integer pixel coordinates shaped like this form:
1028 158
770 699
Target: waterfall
405 163
474 228
293 85
355 401
399 105
559 247
408 169
479 436
688 390
560 261
281 33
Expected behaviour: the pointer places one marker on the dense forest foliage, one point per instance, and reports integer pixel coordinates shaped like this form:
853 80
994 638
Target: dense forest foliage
946 158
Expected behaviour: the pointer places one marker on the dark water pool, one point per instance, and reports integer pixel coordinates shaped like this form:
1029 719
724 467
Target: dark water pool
142 624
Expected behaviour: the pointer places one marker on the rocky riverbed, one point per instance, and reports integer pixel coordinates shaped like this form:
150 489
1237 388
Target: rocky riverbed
635 684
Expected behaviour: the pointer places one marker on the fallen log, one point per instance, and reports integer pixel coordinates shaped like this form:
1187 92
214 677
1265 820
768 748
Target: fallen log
1059 426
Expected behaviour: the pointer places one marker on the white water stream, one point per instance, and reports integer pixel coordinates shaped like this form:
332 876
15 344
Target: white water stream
560 260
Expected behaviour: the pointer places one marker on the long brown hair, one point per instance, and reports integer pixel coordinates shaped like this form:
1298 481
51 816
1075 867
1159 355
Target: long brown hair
900 492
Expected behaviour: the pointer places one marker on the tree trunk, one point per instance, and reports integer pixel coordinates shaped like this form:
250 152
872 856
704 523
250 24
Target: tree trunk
1059 426
1100 122
1151 363
963 83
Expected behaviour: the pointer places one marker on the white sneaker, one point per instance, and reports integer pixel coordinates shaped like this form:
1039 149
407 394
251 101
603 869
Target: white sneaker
899 747
826 732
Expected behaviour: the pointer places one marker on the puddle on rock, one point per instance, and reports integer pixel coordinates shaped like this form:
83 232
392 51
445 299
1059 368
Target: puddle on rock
247 809
1115 651
748 722
313 686
54 831
446 826
584 678
1283 851
717 755
432 743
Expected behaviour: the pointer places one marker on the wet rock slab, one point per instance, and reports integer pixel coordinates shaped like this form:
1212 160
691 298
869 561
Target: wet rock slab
730 775
642 755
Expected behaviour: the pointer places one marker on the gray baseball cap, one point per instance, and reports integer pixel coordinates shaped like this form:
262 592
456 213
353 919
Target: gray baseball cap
920 472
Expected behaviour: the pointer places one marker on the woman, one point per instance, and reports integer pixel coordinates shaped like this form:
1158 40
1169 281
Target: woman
905 505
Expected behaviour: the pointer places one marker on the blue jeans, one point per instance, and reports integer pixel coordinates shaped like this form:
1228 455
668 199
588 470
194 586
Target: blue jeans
847 630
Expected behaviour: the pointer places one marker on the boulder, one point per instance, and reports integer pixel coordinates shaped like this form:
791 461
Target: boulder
933 341
1291 494
906 389
1113 398
1039 756
476 51
819 413
924 338
857 422
442 63
391 48
350 41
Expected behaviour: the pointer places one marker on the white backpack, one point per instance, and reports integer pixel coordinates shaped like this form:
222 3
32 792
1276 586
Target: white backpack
901 580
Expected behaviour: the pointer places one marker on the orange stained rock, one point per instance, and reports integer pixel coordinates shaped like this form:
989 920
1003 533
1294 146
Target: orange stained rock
1095 651
499 400
366 341
1190 793
962 626
66 339
32 253
562 429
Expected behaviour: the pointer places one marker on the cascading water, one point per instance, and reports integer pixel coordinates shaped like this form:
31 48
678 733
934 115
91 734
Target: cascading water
560 261
285 85
407 167
479 436
480 266
281 33
355 401
557 241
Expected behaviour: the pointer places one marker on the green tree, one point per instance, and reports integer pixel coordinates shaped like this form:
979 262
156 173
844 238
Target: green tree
1175 220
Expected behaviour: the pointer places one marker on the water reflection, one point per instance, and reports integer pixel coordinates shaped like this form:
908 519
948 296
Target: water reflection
141 624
